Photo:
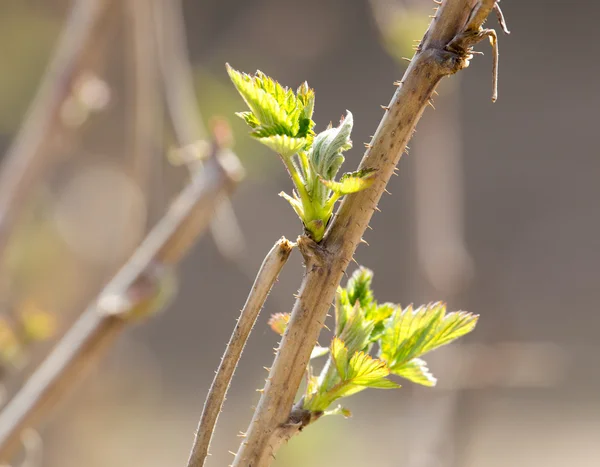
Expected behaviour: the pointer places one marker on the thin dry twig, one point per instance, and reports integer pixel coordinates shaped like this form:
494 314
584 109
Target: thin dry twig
146 100
266 277
25 160
457 22
127 294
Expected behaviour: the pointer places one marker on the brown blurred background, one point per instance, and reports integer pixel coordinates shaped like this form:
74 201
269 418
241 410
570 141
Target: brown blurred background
494 210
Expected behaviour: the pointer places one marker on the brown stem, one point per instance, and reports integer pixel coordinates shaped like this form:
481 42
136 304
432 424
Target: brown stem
266 277
326 262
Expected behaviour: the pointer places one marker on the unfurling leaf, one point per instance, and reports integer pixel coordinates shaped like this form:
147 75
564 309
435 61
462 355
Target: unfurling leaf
359 287
326 157
351 182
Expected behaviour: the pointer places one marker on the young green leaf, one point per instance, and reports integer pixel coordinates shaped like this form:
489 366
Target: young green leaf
416 371
410 333
364 370
326 157
451 327
278 118
351 182
339 354
359 287
285 145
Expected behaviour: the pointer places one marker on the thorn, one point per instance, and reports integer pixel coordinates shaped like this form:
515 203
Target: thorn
367 145
241 434
377 209
369 227
398 83
325 326
436 93
355 262
437 2
407 59
232 453
362 240
430 102
261 390
386 190
385 107
266 368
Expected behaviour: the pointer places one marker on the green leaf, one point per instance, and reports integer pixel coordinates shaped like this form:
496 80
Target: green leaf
351 182
359 287
276 111
408 331
326 156
295 202
411 333
452 326
285 145
356 331
416 371
339 354
364 370
360 370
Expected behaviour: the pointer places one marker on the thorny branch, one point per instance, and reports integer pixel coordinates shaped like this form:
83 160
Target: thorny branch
446 48
128 295
266 277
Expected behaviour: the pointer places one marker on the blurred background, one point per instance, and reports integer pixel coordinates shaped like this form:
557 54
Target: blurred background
495 210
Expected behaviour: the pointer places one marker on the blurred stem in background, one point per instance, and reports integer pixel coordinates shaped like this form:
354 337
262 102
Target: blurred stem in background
71 90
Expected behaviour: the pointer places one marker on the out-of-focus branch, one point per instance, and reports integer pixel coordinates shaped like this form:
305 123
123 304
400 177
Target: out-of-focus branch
146 100
266 277
457 23
26 159
130 294
183 110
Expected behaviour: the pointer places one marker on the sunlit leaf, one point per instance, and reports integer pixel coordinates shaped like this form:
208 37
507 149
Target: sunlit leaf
351 182
411 333
416 371
451 327
285 145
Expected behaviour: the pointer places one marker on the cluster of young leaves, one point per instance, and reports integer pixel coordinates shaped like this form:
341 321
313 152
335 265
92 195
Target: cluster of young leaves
282 120
402 337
